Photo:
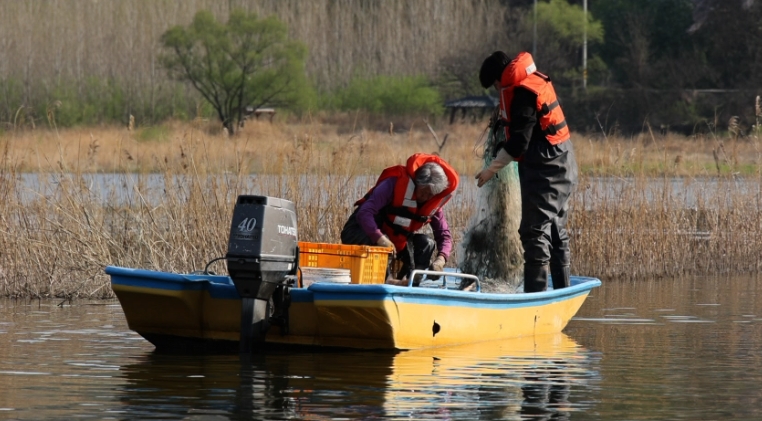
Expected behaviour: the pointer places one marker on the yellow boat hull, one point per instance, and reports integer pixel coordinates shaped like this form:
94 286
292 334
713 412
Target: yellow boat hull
173 310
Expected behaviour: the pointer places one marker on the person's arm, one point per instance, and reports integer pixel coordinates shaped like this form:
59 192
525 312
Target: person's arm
442 235
501 160
518 132
523 119
381 197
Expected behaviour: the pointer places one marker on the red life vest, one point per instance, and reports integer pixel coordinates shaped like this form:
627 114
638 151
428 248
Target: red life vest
522 72
403 217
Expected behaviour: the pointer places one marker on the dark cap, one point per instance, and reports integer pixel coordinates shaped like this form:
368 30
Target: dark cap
492 68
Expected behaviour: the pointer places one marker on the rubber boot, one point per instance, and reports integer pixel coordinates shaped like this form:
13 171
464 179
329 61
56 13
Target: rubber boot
560 277
535 278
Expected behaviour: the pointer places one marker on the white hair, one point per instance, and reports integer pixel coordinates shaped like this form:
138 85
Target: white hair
431 174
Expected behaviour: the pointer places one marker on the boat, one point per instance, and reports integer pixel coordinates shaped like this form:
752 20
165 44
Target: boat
201 312
266 299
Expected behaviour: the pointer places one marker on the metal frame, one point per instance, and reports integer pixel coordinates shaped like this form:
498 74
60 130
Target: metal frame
444 276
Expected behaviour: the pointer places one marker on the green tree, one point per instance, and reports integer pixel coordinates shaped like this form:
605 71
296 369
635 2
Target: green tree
246 62
730 35
562 28
648 42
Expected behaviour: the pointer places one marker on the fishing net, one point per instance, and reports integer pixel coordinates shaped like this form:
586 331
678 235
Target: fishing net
491 248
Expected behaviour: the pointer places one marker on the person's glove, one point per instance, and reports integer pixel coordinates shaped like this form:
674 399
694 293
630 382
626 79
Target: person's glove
398 282
438 266
384 241
501 160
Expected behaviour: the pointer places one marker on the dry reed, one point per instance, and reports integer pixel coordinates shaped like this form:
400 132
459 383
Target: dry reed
45 42
166 202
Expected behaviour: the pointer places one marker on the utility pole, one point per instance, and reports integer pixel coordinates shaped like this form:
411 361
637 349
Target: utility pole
584 48
534 33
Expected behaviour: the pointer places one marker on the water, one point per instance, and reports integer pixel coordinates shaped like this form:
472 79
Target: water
650 350
117 188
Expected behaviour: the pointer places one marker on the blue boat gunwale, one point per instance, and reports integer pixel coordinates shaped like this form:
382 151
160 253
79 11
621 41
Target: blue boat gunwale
335 292
221 287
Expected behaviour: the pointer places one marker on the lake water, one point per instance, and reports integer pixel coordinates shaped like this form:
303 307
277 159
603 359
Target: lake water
118 188
687 349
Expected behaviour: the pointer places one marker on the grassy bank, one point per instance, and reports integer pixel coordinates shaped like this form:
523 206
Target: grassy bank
57 243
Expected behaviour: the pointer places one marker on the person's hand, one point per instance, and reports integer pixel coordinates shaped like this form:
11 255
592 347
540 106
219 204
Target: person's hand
398 282
501 160
437 266
484 176
384 241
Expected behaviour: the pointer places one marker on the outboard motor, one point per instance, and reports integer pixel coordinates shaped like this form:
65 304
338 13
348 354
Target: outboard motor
262 252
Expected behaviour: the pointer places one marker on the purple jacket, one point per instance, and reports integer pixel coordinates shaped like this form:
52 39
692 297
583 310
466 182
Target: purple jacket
380 198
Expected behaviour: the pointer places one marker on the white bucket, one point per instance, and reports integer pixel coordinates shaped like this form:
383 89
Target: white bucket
311 275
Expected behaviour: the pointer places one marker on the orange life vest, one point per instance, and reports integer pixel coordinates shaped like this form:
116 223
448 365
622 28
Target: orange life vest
403 216
522 72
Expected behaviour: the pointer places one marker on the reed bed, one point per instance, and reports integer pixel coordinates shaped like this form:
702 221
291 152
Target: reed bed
164 201
644 228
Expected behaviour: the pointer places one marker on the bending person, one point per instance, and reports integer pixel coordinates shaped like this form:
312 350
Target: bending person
404 200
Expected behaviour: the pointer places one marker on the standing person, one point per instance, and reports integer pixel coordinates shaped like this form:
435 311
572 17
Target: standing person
537 137
405 199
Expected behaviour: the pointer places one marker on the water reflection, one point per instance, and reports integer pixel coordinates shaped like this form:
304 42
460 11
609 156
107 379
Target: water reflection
675 349
496 380
546 394
668 349
660 350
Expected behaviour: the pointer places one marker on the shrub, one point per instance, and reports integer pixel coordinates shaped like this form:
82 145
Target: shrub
386 95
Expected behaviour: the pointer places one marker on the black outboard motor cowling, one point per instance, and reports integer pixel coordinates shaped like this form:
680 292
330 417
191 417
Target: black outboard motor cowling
262 251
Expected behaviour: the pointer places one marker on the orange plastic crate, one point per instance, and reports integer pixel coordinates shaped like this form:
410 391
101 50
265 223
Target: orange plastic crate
366 264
